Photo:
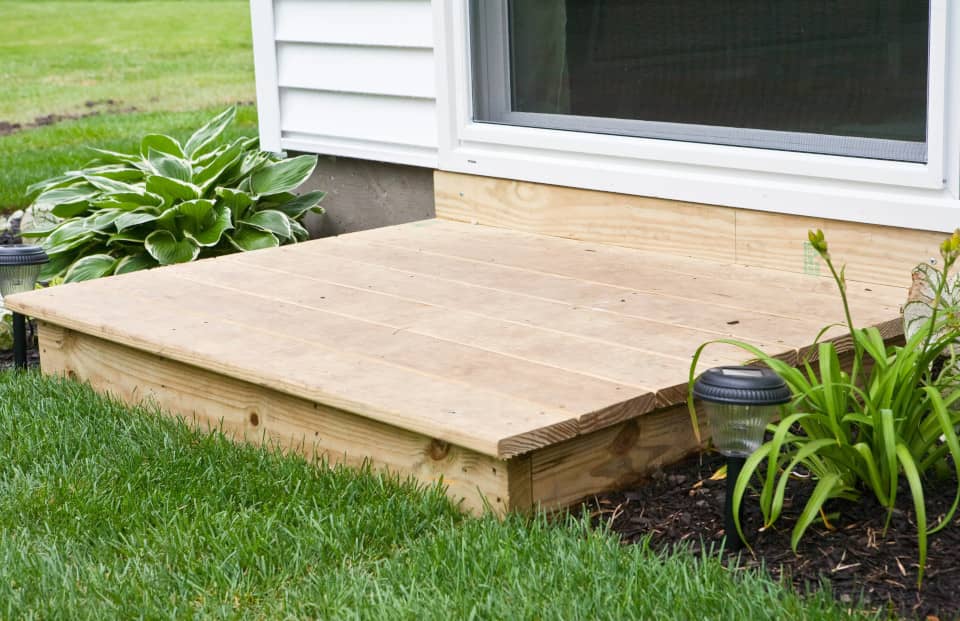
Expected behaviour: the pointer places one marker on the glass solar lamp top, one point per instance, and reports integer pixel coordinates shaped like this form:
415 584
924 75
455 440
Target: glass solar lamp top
20 266
739 402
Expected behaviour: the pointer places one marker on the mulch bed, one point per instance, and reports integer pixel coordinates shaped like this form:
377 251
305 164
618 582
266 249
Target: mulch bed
682 505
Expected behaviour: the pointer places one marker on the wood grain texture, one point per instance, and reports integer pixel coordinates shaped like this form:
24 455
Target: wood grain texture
649 223
610 458
247 412
873 254
497 341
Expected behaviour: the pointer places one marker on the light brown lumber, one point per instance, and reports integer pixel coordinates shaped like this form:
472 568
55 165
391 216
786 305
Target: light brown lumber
611 458
661 370
616 362
873 254
542 386
672 275
744 318
259 414
668 226
656 333
161 320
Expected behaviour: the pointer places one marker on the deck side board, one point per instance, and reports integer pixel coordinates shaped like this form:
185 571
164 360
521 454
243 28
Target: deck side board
874 254
258 414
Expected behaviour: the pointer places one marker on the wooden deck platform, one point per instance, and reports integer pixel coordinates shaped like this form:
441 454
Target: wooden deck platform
521 368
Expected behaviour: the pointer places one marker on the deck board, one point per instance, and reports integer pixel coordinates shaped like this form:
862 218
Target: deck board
498 341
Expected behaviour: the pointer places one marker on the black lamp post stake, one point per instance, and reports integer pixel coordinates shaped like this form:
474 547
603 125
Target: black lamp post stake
19 268
739 401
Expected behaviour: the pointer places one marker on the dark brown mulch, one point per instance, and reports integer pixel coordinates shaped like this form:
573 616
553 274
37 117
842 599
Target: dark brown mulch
33 352
681 504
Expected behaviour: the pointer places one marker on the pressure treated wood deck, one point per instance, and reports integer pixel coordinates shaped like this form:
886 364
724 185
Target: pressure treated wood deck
522 368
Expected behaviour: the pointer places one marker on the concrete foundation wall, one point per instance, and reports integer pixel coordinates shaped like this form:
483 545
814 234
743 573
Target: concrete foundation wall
364 194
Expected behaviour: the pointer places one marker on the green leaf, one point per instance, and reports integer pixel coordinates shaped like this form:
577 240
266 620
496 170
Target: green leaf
301 204
237 201
203 137
919 506
101 220
821 493
283 176
54 182
129 238
135 218
170 166
172 189
114 157
271 221
135 263
91 267
193 214
112 186
57 266
166 249
67 236
246 238
68 196
213 231
161 143
299 232
227 157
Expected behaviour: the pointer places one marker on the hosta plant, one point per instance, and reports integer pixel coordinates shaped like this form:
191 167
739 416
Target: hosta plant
171 203
892 418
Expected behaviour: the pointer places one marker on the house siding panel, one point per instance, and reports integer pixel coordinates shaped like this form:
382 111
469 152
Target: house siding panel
354 78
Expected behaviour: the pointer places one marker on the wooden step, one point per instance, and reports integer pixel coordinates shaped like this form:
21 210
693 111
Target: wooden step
522 369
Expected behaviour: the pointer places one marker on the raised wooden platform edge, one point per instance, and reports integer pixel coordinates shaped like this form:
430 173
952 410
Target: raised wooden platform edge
258 414
548 478
873 253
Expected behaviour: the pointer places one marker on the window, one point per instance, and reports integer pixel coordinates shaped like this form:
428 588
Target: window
833 77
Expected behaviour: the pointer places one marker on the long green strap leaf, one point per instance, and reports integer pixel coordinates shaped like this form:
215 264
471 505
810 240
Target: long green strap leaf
916 490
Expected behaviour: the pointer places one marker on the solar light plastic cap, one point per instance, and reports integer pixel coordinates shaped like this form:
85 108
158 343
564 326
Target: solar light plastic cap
740 401
20 266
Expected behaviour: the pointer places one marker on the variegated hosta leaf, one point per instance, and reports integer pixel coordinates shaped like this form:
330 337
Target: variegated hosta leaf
225 158
201 139
168 203
170 167
90 267
247 238
167 249
238 202
136 217
271 221
161 143
300 205
135 263
172 189
68 201
282 176
204 222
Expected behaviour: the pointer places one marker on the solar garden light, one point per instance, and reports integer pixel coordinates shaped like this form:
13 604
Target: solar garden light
19 268
739 402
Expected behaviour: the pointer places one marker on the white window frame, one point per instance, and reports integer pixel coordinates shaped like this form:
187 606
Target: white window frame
910 195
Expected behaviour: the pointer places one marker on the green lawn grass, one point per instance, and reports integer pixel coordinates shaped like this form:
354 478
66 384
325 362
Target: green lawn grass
107 512
57 56
168 60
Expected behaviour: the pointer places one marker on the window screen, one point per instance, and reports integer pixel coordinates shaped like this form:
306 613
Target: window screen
841 77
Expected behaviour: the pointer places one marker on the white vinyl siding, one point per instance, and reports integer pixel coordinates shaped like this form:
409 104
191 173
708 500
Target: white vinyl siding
348 77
